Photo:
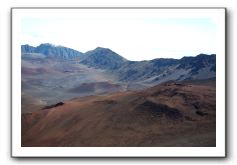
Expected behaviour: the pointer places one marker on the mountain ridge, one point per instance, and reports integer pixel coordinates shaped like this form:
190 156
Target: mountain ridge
52 51
150 72
26 48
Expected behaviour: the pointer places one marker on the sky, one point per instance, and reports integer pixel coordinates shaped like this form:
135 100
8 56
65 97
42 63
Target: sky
135 36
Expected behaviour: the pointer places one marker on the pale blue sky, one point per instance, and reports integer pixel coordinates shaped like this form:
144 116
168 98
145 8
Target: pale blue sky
133 38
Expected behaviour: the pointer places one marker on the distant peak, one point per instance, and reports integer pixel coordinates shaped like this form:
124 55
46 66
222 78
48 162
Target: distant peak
202 54
198 56
47 44
26 45
101 48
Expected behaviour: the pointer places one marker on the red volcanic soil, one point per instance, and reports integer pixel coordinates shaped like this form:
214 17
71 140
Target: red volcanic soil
171 114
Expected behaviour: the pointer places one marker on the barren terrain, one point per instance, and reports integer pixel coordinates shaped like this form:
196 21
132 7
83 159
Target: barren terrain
170 114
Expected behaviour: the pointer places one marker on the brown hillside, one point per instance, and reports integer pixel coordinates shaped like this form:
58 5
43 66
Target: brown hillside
170 114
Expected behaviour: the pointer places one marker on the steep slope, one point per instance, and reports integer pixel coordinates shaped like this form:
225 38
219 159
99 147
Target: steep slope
161 70
103 58
170 114
51 51
142 70
198 62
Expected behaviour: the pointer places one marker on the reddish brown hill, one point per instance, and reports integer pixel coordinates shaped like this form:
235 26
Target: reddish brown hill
171 114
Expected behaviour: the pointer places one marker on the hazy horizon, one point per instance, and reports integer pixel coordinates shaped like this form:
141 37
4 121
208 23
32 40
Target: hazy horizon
143 35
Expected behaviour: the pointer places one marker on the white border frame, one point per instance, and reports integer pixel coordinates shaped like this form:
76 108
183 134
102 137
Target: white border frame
218 14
